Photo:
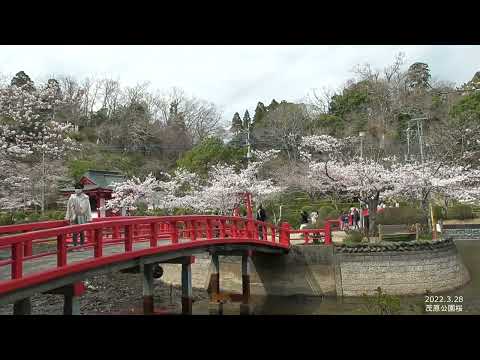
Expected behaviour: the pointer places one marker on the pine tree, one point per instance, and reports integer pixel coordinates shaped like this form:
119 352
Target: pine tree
236 124
260 112
273 105
246 120
419 76
22 79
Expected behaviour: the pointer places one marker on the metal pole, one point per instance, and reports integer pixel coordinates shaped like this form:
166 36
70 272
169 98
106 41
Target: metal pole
420 138
249 154
408 143
43 182
361 148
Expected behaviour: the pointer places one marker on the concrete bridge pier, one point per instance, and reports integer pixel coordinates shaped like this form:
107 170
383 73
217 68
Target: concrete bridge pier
214 286
187 294
71 294
216 305
22 307
148 305
245 305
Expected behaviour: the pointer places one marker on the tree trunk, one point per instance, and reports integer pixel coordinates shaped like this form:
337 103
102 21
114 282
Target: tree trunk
426 212
372 214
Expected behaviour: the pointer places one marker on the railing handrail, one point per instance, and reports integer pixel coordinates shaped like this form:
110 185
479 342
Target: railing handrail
6 229
147 220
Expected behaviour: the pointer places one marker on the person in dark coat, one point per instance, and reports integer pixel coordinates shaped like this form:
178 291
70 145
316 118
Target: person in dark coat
261 216
344 221
356 218
303 219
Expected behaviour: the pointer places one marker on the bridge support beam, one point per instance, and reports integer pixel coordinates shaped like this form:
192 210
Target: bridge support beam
214 285
187 294
22 307
71 295
148 304
71 305
245 305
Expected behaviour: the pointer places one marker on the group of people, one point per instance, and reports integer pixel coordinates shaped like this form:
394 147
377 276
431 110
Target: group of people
351 219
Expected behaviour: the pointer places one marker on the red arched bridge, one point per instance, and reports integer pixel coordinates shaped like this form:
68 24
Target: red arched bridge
37 258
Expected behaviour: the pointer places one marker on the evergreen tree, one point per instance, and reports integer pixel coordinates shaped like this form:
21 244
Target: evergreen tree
419 76
236 124
273 105
260 112
246 120
22 79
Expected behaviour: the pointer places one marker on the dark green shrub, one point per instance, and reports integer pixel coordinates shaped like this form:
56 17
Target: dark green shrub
6 219
459 212
396 237
400 215
334 214
438 212
307 209
324 211
353 237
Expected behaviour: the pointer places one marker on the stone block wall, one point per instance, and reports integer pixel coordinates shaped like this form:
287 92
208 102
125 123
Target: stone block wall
400 273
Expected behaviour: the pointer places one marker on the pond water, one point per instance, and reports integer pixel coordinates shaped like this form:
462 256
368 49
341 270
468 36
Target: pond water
468 297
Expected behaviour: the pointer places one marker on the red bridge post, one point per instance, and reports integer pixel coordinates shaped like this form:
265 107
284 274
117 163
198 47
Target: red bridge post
129 233
174 230
285 233
328 233
153 234
61 250
17 263
98 247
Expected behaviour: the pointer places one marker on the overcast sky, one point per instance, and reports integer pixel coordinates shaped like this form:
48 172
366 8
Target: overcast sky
233 77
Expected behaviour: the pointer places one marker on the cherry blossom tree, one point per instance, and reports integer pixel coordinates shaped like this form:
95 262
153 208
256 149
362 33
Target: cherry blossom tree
29 134
127 194
167 194
417 181
384 178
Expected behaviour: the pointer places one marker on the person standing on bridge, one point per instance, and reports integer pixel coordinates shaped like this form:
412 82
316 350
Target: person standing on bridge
303 219
78 211
261 216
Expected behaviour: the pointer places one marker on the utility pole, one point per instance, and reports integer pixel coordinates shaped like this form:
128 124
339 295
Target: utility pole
43 181
419 123
249 154
408 143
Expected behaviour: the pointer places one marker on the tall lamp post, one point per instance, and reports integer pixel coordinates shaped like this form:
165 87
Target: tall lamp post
361 134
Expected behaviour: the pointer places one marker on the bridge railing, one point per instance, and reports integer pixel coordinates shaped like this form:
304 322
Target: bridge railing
139 236
326 232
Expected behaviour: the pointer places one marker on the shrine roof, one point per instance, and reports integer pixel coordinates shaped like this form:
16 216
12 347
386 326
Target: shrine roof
98 180
104 179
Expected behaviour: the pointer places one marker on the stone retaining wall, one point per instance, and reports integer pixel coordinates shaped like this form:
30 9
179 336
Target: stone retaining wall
412 272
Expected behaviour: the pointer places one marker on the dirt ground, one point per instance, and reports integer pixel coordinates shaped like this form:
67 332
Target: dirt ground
114 293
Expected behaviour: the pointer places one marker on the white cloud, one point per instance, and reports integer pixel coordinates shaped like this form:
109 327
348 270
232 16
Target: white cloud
233 77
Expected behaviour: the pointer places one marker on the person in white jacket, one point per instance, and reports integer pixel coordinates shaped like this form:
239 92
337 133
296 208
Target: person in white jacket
78 211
